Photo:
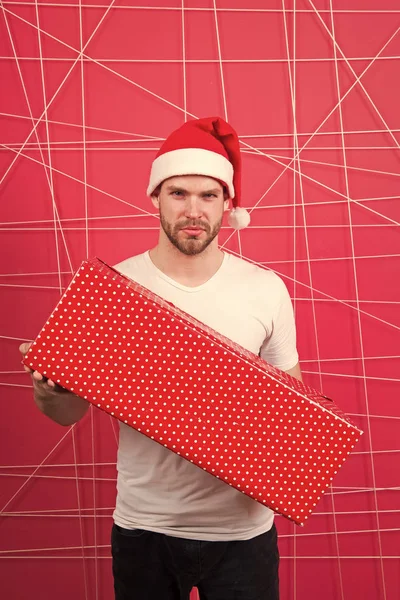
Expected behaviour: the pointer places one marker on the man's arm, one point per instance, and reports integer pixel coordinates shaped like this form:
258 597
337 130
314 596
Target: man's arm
295 372
58 404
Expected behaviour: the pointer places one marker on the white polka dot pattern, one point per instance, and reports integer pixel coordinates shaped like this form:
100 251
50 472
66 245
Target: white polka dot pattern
161 371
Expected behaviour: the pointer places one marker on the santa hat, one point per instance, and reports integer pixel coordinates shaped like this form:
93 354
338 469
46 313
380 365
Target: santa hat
207 147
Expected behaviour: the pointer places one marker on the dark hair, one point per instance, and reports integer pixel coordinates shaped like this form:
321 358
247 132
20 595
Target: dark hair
225 190
157 191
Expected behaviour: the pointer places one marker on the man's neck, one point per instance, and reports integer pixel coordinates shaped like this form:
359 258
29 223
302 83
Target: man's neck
187 270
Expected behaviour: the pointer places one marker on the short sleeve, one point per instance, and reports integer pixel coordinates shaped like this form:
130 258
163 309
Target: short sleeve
279 349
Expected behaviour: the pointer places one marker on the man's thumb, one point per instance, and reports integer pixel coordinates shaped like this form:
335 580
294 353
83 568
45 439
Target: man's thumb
25 347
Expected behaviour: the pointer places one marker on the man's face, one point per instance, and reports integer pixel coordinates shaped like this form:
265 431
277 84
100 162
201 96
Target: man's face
191 209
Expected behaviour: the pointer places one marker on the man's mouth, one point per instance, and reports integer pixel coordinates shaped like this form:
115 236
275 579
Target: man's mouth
193 230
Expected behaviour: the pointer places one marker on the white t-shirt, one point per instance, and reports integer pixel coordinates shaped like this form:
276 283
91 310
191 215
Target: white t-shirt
161 491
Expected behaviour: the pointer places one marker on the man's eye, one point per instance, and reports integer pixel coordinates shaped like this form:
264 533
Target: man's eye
209 196
177 193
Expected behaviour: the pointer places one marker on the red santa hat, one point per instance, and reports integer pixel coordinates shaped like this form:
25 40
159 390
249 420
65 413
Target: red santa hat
209 147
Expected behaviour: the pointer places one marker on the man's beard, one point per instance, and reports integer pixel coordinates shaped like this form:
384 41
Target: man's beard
191 245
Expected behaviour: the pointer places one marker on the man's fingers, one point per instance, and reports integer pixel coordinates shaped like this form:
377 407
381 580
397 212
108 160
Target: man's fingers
37 376
25 347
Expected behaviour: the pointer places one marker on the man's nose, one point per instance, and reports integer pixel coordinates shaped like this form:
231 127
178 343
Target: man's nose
192 207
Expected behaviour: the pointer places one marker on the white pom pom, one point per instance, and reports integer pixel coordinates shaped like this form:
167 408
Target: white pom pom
238 218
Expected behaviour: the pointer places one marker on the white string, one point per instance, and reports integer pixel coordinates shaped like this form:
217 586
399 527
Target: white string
92 187
283 557
59 465
300 180
295 306
155 228
73 220
367 490
113 423
247 145
31 287
249 227
147 7
62 477
392 451
184 61
55 512
282 535
351 532
327 296
48 173
308 134
348 196
86 547
338 166
148 137
133 137
44 116
78 498
84 142
39 120
386 357
92 427
33 146
56 144
47 557
17 339
239 244
91 127
355 275
319 183
138 86
221 70
95 516
359 82
328 202
51 184
337 258
389 302
307 371
37 468
292 86
342 557
349 490
363 377
305 222
210 61
57 515
288 166
114 430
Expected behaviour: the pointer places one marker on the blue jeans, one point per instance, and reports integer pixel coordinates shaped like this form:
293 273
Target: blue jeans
154 566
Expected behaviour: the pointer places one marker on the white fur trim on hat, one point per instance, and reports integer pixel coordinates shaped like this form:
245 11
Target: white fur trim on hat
238 218
191 161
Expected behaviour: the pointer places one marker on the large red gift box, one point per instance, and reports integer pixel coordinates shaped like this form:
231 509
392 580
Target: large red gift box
156 368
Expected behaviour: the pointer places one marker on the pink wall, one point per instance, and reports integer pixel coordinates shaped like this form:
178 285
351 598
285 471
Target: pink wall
78 133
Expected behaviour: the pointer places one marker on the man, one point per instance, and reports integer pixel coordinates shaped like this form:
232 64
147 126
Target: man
175 525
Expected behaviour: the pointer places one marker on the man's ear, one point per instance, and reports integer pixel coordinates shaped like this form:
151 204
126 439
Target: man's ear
226 198
155 200
155 197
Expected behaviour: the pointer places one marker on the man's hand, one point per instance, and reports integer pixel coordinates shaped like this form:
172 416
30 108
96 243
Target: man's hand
42 386
59 404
